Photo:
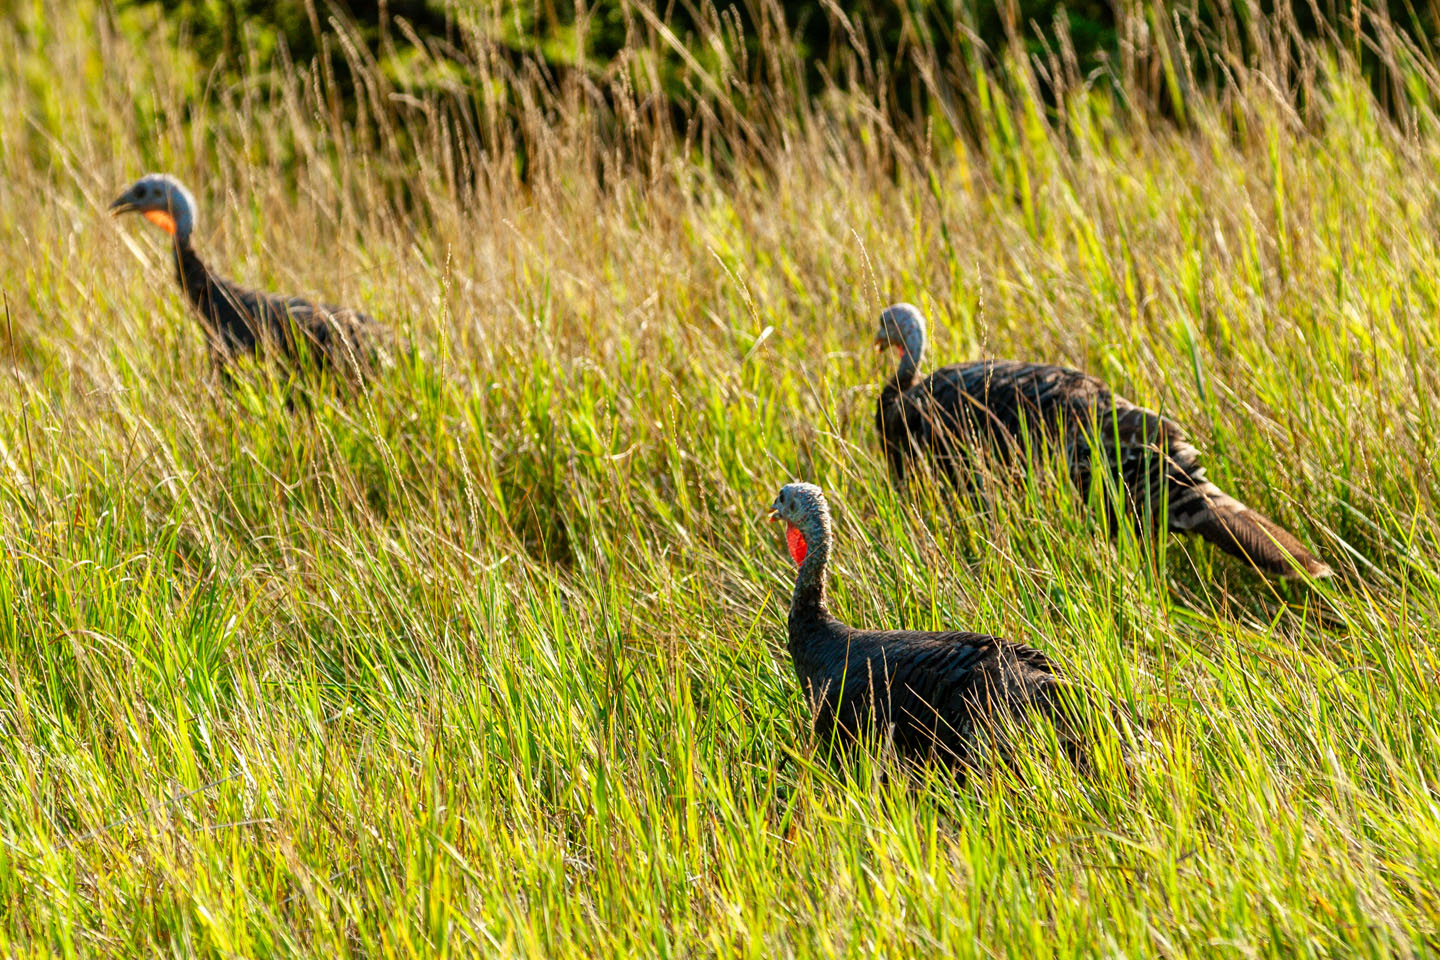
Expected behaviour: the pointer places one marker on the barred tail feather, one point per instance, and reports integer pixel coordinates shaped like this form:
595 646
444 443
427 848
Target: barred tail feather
1248 534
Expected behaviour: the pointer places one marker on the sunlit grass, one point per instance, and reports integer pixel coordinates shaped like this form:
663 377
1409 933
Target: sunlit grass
490 659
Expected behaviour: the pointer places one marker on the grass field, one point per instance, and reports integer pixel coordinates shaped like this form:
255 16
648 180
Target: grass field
490 660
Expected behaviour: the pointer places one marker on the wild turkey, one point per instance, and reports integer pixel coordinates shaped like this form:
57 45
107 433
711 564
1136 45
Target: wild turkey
935 694
1002 405
238 321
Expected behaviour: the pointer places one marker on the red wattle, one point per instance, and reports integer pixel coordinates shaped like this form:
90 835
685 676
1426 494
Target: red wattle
795 540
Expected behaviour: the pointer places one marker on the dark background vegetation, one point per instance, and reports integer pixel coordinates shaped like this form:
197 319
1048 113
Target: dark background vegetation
560 38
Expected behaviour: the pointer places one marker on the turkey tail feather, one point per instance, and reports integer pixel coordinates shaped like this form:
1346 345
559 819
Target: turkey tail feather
1247 534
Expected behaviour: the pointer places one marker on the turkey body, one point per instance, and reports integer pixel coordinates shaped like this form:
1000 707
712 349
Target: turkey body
239 322
999 405
1011 409
934 696
931 694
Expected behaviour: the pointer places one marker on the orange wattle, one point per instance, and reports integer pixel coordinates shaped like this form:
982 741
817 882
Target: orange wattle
161 219
795 540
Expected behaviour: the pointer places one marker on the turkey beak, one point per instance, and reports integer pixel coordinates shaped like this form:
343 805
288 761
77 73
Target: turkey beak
773 515
880 344
123 205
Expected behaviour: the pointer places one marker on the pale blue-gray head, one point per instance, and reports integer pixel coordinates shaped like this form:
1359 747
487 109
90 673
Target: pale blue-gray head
807 519
163 201
902 326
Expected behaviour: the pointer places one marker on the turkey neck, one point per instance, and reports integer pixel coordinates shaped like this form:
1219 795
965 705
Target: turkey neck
908 373
808 603
192 273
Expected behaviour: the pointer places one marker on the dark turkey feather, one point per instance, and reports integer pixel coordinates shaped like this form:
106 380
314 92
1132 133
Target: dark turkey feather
1002 405
934 695
238 321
